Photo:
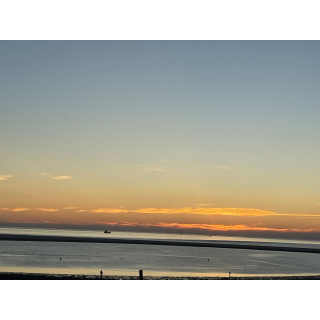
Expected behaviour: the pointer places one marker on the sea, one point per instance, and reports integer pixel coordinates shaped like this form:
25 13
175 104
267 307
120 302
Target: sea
154 260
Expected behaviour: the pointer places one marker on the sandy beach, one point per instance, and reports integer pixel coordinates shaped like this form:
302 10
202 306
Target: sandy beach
25 274
46 276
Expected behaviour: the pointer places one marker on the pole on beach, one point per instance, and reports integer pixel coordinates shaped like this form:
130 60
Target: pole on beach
140 274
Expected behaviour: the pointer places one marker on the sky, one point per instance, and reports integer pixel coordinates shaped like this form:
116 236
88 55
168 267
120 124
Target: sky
218 137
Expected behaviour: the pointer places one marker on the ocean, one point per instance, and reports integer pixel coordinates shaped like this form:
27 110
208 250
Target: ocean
154 260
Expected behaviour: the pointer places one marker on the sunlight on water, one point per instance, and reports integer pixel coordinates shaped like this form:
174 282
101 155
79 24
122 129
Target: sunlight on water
144 235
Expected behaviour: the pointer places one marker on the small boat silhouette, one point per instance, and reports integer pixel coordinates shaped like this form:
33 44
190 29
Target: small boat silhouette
106 231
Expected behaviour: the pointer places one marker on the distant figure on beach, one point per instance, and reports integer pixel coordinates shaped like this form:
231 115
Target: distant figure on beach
101 273
60 258
229 274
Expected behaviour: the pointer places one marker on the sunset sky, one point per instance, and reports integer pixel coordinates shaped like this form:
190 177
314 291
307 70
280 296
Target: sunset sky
192 136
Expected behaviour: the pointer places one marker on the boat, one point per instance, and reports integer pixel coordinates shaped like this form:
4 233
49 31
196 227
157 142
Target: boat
106 231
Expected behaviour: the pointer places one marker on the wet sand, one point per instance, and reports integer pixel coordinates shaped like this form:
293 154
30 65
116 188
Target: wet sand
217 244
46 276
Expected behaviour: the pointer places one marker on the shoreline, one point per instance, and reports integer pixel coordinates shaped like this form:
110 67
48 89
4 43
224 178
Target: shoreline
47 276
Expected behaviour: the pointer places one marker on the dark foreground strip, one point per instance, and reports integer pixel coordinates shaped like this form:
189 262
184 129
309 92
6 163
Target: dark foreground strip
211 244
46 276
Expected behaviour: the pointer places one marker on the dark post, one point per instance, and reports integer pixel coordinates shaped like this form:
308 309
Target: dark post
140 274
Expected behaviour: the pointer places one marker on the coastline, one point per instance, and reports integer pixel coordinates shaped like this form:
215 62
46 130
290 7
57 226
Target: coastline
46 276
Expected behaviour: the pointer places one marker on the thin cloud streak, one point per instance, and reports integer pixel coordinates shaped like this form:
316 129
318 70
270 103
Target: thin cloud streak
208 211
109 210
5 177
47 209
28 209
237 227
244 212
105 210
211 227
201 210
62 177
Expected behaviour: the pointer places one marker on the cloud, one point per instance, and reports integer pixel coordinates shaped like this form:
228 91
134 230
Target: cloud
161 210
209 227
300 215
108 210
105 210
15 209
47 221
22 221
62 177
237 227
209 211
128 223
47 209
45 174
68 208
201 209
5 177
107 223
242 212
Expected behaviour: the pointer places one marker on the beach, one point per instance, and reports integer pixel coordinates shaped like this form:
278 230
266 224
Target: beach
46 276
64 254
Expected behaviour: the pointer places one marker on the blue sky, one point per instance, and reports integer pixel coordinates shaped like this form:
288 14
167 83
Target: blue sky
232 123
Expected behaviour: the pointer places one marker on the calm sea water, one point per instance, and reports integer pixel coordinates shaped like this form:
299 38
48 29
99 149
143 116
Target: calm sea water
127 259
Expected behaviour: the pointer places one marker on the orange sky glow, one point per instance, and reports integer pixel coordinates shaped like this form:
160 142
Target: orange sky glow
194 219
